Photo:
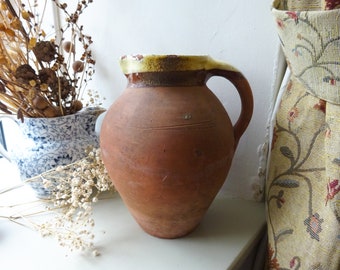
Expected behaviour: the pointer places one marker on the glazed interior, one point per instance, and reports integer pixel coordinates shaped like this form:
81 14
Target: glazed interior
160 63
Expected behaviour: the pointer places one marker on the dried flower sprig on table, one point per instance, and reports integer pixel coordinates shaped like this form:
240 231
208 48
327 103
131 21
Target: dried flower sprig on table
78 186
42 76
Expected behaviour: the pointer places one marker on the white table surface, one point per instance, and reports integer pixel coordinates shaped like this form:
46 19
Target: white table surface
224 238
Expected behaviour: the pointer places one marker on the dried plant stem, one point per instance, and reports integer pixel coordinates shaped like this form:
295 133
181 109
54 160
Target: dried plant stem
74 188
38 78
20 185
13 12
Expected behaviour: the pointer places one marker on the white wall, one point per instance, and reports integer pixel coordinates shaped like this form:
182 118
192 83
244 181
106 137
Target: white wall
239 32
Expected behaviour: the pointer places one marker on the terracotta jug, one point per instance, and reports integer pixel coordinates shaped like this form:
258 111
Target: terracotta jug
167 141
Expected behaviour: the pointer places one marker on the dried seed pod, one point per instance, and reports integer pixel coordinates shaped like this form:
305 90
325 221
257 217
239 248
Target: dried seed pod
66 89
77 105
68 47
25 73
51 111
40 102
78 66
48 76
20 115
45 51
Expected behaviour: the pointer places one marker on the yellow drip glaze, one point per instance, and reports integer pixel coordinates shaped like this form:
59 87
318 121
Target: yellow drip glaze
159 63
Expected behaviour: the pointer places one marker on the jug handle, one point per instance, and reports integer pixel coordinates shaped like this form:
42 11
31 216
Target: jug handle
227 71
3 151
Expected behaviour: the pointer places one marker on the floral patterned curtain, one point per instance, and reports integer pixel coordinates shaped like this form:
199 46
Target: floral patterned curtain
303 182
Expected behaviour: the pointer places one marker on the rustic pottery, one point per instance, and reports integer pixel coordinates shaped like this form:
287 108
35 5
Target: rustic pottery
45 143
168 142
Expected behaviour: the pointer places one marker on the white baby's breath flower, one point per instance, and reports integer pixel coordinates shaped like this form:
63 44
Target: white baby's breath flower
74 188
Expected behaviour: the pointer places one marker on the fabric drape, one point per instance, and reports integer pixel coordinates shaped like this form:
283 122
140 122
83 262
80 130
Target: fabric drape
303 183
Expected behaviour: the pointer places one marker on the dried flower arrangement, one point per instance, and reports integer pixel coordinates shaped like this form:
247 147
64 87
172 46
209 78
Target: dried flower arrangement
78 186
42 76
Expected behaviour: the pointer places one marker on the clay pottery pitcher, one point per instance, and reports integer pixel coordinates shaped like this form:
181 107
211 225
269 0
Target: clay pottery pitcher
167 141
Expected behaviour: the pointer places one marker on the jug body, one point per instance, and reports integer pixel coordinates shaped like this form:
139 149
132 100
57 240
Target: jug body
168 142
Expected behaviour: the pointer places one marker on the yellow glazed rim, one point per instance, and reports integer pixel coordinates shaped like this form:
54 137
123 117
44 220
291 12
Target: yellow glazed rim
159 63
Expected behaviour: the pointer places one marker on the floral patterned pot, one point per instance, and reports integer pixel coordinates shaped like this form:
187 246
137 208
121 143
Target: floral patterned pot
46 143
303 184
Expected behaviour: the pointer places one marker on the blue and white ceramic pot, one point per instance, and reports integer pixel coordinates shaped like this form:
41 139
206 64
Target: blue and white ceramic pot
45 143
